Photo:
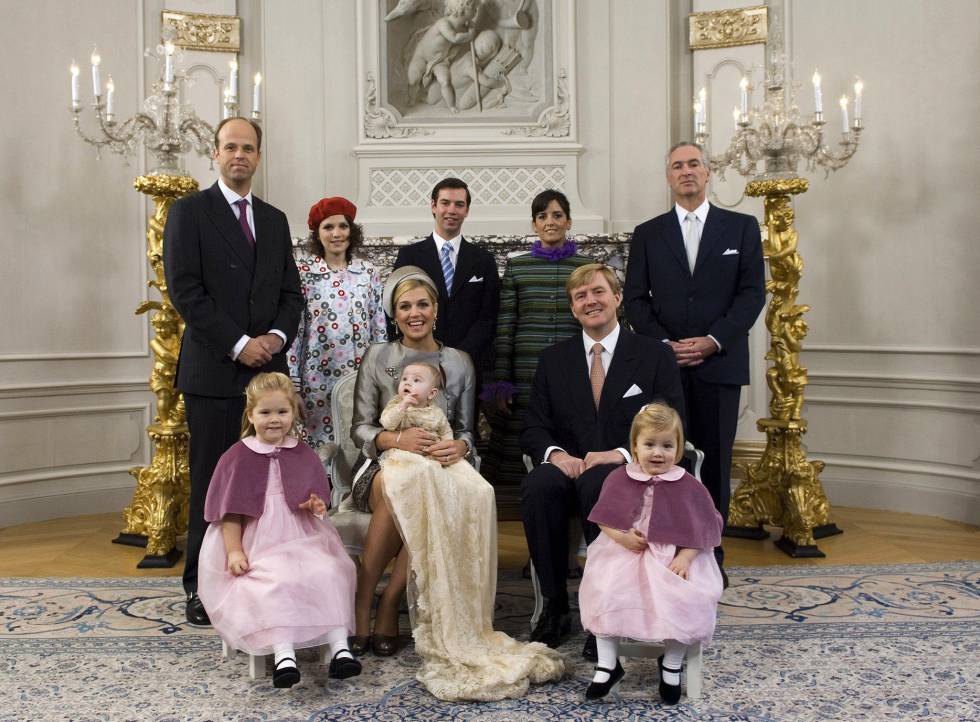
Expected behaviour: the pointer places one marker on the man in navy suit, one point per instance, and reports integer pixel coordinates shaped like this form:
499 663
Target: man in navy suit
696 281
231 276
586 391
467 315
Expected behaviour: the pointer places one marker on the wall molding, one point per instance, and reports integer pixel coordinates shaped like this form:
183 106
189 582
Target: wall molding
920 350
884 403
968 384
72 388
947 471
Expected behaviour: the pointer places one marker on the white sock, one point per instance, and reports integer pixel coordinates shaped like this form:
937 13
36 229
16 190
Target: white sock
337 639
284 651
608 650
674 659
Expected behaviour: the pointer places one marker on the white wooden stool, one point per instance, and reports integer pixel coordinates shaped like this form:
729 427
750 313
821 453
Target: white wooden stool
256 662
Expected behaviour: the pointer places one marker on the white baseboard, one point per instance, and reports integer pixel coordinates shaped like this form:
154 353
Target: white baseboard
114 494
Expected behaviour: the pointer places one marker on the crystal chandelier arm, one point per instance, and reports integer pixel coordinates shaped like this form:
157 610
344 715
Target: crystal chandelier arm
200 134
834 161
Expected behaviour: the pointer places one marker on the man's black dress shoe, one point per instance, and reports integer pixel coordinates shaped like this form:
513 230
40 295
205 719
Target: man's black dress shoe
598 690
553 625
669 693
344 667
285 677
589 651
194 611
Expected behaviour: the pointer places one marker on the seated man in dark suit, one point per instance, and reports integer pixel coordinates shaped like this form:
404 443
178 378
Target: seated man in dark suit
586 391
465 275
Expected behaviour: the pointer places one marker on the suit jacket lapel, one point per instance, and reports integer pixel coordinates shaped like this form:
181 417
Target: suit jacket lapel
265 246
464 265
577 377
713 227
228 227
620 373
675 240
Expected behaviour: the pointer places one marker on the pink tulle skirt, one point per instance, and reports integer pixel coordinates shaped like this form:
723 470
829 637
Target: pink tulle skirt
634 594
299 587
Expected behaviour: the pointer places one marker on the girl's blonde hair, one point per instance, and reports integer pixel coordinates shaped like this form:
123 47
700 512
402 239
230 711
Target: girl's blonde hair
266 383
658 417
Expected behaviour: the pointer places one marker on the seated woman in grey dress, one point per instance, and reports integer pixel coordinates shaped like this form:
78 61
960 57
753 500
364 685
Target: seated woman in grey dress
436 515
411 300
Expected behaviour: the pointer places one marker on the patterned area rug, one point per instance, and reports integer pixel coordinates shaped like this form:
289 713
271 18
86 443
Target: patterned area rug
793 643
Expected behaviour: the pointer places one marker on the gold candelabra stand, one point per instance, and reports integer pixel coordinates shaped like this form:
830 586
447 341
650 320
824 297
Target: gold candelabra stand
783 487
168 128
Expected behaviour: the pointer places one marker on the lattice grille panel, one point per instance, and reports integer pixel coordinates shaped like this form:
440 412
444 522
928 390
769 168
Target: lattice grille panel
493 186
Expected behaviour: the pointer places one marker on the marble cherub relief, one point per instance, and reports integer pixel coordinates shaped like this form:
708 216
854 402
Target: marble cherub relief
449 56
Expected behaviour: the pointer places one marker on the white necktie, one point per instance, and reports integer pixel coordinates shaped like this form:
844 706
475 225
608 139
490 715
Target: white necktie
692 237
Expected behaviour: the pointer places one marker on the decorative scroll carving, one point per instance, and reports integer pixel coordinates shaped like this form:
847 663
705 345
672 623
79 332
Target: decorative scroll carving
556 121
380 123
194 31
496 186
726 28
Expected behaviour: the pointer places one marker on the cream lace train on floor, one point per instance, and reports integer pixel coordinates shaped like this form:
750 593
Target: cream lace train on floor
448 519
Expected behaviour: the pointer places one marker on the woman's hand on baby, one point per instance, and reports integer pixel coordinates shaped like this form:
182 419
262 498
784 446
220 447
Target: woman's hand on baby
237 563
446 452
416 440
315 505
634 540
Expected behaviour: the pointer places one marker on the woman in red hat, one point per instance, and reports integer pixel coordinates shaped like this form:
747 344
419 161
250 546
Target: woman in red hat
343 314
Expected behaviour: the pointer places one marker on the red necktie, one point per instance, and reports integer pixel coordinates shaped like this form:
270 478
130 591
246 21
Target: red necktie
243 219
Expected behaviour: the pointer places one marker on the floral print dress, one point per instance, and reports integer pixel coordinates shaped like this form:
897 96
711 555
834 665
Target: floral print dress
343 316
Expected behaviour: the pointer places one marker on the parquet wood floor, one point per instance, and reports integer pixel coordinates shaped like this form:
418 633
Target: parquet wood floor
80 546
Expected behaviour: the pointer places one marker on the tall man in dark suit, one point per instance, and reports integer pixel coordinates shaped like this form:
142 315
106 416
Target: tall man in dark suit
231 276
465 275
696 281
586 392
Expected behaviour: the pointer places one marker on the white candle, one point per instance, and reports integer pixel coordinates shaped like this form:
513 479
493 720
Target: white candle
843 113
743 86
96 79
233 80
703 102
817 93
110 89
736 115
226 112
256 95
858 92
168 63
697 116
74 84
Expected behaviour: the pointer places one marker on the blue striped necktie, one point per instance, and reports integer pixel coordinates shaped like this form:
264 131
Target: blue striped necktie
447 266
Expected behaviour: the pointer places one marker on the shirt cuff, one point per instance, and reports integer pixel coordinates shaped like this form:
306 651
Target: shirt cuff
281 335
717 342
547 453
626 455
236 351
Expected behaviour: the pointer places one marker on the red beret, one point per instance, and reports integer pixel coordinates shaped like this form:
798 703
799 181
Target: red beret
326 207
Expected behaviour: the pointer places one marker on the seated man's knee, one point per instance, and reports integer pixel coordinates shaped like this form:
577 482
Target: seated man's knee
544 482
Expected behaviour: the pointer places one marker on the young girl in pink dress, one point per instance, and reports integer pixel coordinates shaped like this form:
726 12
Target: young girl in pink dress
651 575
274 575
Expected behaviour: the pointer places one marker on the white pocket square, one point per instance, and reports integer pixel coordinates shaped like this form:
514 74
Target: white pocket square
730 252
632 391
476 279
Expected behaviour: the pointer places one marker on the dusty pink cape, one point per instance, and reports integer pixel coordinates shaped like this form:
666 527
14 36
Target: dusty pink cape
239 481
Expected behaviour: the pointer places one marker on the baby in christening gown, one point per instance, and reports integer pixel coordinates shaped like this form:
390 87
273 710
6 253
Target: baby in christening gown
447 518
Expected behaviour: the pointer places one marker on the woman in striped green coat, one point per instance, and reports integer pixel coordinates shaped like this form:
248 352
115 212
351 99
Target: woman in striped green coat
534 314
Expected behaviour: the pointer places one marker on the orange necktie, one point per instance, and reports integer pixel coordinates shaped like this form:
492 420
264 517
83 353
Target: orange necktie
596 374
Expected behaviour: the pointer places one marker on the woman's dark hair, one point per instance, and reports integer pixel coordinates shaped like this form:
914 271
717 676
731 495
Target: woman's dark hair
543 199
313 244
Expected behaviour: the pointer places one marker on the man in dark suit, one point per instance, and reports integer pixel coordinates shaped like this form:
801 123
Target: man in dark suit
586 392
696 281
231 276
468 304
